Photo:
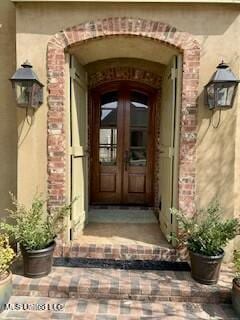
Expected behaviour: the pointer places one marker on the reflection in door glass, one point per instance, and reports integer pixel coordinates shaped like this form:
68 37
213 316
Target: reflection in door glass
108 137
108 118
138 157
108 155
138 138
139 110
139 115
108 129
108 146
109 100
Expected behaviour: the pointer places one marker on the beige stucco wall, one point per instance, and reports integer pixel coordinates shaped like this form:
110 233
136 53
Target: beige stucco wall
8 127
215 27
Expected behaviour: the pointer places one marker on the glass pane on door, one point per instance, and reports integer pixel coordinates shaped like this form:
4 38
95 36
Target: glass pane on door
108 128
138 138
138 157
139 119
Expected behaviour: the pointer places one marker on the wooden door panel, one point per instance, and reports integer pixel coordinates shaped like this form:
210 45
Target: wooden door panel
105 151
139 124
121 153
136 183
108 182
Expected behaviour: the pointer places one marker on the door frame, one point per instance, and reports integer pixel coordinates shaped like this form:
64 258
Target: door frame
156 106
153 93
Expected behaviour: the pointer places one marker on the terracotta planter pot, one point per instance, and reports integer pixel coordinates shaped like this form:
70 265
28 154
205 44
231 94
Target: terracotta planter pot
236 296
38 263
205 269
5 290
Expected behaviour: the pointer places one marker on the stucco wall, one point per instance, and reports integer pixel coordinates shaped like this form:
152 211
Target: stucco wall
215 27
8 127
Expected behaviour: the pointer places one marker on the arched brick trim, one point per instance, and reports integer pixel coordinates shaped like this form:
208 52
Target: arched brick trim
125 73
122 26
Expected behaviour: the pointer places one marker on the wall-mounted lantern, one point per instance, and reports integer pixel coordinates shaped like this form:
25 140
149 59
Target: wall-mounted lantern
28 89
221 89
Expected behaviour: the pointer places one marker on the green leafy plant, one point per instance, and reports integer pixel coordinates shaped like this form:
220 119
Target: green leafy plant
35 228
236 261
6 255
206 232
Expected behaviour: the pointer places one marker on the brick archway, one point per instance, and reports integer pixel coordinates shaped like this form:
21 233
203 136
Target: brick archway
121 26
125 73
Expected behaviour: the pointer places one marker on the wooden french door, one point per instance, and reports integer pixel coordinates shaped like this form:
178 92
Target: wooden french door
122 144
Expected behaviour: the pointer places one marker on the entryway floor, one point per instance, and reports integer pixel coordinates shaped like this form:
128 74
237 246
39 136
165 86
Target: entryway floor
122 215
116 226
123 234
115 233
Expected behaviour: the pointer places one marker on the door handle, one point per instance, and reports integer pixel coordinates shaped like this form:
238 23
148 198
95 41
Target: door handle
126 159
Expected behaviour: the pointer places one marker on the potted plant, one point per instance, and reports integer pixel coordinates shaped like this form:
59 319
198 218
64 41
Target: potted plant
205 235
35 229
6 257
236 283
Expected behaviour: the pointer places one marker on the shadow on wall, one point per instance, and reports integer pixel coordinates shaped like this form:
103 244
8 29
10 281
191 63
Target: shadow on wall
215 156
26 117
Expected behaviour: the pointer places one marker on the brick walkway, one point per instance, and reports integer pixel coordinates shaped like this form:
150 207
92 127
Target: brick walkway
124 284
76 309
113 294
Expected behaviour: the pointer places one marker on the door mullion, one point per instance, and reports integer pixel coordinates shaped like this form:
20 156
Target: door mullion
119 144
126 133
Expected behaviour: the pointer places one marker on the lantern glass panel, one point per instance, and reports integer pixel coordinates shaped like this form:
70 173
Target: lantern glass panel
224 94
23 92
211 96
36 95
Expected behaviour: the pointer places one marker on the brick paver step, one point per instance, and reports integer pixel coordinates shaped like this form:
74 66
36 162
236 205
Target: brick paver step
102 309
118 252
124 284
